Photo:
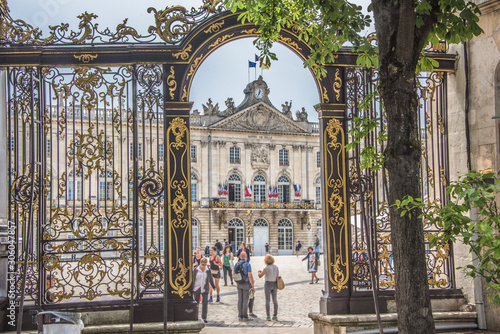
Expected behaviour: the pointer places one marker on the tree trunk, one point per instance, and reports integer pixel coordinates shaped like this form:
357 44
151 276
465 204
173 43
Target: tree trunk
398 56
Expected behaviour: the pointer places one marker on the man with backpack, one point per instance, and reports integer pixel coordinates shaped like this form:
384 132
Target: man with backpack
218 245
242 275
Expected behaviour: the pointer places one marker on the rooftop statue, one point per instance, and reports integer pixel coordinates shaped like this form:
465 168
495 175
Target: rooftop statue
301 115
210 109
230 107
286 109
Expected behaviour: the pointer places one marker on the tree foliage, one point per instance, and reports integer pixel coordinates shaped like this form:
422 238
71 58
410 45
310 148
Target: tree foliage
476 193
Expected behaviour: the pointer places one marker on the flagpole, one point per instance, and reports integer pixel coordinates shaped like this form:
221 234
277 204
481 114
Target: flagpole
249 71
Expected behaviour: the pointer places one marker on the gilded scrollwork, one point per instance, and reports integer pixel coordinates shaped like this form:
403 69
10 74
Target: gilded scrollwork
335 214
184 54
337 85
171 82
194 66
85 57
215 27
178 205
288 41
90 151
220 41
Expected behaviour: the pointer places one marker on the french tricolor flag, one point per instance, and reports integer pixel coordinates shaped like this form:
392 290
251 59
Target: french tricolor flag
219 190
225 192
248 191
298 191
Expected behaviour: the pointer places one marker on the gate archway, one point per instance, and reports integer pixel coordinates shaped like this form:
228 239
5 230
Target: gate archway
93 104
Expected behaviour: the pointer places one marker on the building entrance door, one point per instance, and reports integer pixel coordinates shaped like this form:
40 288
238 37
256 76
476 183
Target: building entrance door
236 233
260 237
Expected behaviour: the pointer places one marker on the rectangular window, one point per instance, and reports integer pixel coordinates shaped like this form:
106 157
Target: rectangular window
71 191
283 155
79 190
131 192
259 192
102 190
194 192
160 234
12 143
160 151
131 152
318 195
234 155
318 159
109 191
48 146
193 153
141 236
139 150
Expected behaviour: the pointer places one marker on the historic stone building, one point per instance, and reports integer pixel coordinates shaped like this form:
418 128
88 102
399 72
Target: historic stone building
255 174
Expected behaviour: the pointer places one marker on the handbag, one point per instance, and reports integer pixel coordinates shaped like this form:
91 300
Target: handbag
281 283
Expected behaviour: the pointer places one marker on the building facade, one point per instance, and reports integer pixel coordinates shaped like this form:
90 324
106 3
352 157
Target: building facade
255 174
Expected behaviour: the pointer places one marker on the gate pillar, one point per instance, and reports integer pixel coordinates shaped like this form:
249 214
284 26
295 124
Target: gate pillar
178 268
336 226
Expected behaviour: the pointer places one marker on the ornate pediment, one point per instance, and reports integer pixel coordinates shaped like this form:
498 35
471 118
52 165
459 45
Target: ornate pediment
260 117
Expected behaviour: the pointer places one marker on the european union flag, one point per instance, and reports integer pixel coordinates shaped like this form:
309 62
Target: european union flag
252 64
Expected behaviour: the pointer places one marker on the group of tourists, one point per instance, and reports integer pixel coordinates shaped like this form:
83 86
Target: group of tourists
220 261
207 274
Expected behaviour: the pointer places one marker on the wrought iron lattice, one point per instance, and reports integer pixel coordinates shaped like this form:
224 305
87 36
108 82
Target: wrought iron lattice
92 135
171 25
368 189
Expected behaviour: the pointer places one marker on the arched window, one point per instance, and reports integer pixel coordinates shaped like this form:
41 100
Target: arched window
285 236
283 189
259 188
234 188
317 185
236 232
194 231
260 222
194 188
106 189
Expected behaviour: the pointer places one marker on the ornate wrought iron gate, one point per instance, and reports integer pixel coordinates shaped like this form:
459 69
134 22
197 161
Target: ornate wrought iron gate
99 165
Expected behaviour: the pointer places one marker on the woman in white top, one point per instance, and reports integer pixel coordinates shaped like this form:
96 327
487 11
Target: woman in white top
271 272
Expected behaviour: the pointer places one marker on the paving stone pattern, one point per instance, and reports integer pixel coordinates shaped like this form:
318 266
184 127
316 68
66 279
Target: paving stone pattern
295 301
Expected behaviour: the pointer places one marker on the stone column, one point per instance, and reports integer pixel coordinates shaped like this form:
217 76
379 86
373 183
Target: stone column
336 227
179 285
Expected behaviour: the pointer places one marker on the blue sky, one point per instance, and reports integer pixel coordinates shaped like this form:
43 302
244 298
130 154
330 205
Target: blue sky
223 74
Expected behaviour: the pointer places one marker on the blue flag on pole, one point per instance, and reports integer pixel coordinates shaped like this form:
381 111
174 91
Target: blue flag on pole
252 64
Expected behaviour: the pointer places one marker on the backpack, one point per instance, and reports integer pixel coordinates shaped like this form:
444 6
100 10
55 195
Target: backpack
316 242
239 273
218 245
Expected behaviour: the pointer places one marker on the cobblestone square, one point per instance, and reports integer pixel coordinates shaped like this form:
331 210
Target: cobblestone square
295 301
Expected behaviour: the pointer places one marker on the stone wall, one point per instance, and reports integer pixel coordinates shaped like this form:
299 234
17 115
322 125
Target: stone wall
484 104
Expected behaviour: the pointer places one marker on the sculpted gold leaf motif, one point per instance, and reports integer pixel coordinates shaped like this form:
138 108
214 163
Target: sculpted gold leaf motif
171 82
184 53
337 85
171 23
250 31
214 27
288 41
184 93
85 57
220 40
194 66
324 94
335 190
178 205
87 27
